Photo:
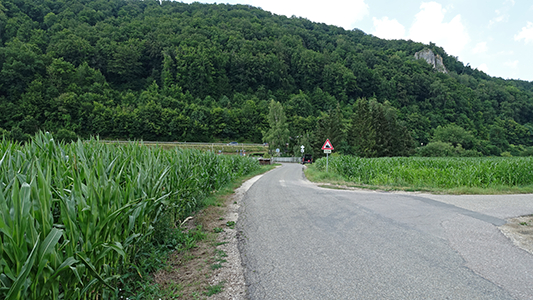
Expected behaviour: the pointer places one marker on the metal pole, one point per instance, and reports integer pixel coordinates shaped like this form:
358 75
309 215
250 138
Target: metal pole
327 161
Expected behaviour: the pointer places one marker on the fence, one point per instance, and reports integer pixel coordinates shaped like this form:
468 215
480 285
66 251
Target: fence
183 143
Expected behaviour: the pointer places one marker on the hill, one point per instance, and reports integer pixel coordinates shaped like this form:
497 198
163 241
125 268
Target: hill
131 69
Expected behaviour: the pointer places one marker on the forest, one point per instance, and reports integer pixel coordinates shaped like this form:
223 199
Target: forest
169 71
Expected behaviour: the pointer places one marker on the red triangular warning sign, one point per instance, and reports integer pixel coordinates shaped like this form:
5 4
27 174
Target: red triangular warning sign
327 145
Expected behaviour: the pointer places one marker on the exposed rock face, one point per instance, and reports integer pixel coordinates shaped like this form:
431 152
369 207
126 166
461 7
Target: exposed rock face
432 59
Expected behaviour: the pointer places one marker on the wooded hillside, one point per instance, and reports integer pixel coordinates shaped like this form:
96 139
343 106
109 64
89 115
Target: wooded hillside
176 72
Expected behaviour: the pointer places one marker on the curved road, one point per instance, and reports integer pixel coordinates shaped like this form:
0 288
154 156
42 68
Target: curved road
299 241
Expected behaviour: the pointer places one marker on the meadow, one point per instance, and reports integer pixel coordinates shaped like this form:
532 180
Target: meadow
74 217
456 175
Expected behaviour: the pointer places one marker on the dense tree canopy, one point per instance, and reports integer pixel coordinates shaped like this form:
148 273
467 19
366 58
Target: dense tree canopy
141 69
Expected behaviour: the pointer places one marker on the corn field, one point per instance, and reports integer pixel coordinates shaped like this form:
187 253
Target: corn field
442 172
73 216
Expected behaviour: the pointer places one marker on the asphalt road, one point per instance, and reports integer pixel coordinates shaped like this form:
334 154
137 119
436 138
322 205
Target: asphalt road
299 241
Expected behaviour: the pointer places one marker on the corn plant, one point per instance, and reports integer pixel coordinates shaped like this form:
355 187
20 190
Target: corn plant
72 216
442 172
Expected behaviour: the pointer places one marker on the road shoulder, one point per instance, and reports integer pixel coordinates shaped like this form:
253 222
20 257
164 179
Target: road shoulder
231 275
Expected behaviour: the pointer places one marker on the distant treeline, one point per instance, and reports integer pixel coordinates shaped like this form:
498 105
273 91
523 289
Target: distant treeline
131 69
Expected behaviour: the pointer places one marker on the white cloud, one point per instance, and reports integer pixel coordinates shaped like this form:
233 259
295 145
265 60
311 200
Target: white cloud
344 13
480 48
483 67
526 34
502 14
429 26
506 53
499 18
511 64
388 29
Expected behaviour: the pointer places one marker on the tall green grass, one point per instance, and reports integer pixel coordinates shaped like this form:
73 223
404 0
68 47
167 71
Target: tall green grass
442 172
73 217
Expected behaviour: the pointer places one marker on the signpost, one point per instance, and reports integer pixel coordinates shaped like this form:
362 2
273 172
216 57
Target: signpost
327 147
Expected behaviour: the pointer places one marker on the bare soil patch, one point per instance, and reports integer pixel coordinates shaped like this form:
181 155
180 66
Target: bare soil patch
189 274
520 231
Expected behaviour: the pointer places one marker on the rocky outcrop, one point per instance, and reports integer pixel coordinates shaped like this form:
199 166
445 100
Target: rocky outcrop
432 59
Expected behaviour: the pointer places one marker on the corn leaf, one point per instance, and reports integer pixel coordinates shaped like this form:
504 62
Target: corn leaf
16 291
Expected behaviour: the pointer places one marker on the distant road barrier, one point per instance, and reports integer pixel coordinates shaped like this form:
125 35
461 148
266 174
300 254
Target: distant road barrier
286 159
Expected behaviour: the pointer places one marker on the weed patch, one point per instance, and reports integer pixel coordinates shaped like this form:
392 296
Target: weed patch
214 289
230 224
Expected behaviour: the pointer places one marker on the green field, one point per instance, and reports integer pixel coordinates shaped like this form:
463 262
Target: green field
74 218
455 175
224 148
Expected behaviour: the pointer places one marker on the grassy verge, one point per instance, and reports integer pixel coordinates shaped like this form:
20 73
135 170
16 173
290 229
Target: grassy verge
485 176
185 272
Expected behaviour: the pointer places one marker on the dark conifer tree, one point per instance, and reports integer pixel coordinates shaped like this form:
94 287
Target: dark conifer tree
329 126
362 134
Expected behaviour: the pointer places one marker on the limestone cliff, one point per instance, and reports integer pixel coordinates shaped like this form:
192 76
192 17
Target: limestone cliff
432 59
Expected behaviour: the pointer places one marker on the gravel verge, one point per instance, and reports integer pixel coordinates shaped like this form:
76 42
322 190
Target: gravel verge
231 275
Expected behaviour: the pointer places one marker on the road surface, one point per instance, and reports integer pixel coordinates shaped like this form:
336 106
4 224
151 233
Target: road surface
299 241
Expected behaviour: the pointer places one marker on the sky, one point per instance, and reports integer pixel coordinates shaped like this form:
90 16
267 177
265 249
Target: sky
494 36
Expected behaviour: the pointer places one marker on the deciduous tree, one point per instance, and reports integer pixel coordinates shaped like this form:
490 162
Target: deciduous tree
277 136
